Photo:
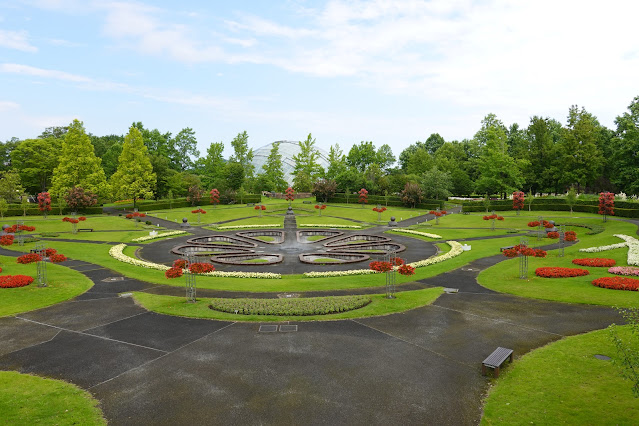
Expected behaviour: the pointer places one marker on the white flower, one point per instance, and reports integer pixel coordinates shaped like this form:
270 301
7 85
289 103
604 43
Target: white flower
324 225
423 234
117 253
272 225
231 274
602 248
152 237
631 242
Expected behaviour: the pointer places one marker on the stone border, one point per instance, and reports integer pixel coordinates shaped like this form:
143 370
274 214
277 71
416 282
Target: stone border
358 248
226 238
250 235
210 247
367 239
310 233
354 258
224 259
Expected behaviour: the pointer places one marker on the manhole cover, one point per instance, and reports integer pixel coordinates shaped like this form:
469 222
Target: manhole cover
126 294
469 269
603 357
287 328
268 328
451 290
288 295
112 279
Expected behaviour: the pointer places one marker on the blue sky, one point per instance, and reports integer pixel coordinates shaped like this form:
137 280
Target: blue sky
388 71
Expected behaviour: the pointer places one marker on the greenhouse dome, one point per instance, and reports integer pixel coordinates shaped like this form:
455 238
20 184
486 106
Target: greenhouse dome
287 150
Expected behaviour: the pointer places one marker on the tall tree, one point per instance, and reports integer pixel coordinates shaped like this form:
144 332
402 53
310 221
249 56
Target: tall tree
405 155
35 160
134 178
273 171
307 169
362 155
433 143
385 158
542 135
336 162
5 153
436 184
185 147
213 163
10 187
625 145
243 154
58 132
78 165
419 162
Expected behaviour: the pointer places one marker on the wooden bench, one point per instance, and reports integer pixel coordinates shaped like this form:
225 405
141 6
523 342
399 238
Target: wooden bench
306 202
496 359
250 204
85 230
506 248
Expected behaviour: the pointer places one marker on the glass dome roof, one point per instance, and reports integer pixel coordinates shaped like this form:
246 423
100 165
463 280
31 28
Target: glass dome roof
287 150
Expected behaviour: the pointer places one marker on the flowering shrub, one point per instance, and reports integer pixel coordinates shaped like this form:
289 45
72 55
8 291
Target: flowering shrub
406 270
594 262
548 225
57 258
82 218
436 213
624 270
524 250
607 203
379 209
557 272
162 235
179 263
44 202
553 235
173 273
290 194
29 258
215 196
533 224
322 207
72 220
201 268
379 266
570 236
6 240
423 234
363 196
198 211
493 216
14 281
518 200
49 252
617 283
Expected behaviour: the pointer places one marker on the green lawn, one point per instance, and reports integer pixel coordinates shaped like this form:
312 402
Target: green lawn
29 400
380 305
64 284
563 383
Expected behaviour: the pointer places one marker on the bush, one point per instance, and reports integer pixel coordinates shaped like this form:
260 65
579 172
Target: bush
292 307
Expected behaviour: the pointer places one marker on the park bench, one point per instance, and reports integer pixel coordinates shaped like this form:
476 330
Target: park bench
496 359
85 230
501 249
306 202
250 204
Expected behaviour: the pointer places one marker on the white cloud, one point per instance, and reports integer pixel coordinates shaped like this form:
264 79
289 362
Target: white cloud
45 73
16 40
8 105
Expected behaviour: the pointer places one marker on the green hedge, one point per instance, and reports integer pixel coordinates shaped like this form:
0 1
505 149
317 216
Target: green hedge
16 210
373 200
622 208
151 205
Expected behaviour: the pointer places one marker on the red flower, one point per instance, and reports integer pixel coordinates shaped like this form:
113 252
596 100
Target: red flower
316 206
444 212
13 281
406 270
180 263
57 258
595 262
173 273
617 283
29 258
524 250
570 236
553 235
6 240
201 268
198 211
129 216
82 218
518 200
379 266
500 218
49 252
264 207
256 207
533 224
557 272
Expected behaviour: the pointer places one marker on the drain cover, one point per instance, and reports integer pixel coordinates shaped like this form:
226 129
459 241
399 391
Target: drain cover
603 357
451 290
112 279
126 294
288 295
287 328
268 328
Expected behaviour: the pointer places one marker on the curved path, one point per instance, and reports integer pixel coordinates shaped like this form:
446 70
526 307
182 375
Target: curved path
417 367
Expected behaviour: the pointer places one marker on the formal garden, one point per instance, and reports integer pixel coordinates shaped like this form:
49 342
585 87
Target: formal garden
355 265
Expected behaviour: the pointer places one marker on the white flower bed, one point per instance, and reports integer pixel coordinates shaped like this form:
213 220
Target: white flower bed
423 234
322 225
455 250
117 253
631 242
162 235
272 225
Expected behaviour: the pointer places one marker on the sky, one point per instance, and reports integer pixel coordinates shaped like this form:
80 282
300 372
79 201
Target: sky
388 71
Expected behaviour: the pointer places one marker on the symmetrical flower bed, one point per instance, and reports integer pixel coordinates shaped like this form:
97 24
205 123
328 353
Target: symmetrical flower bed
557 272
423 234
595 262
630 242
624 270
13 281
305 306
617 283
162 235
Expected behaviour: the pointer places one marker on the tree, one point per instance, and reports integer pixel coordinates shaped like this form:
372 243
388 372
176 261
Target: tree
195 194
436 184
185 147
158 143
134 177
324 189
362 155
385 158
4 206
419 162
242 154
349 178
213 163
628 355
433 143
411 195
110 159
273 169
77 198
58 132
336 162
405 155
10 187
78 165
44 203
5 153
625 144
518 201
541 151
571 198
35 160
306 169
234 173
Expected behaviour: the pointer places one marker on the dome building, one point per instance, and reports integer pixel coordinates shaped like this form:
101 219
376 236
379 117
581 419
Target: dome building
287 149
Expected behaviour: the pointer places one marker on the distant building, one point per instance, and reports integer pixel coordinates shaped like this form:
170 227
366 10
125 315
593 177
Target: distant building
287 150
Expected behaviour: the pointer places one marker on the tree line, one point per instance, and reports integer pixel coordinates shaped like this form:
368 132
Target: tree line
546 156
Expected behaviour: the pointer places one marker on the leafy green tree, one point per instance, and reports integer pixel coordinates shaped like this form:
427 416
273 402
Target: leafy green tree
78 165
541 151
234 173
436 184
213 163
165 175
419 162
625 162
184 147
10 187
362 155
35 160
5 153
571 198
110 159
273 169
58 132
324 189
411 195
4 206
405 155
385 158
433 143
243 154
307 169
336 162
24 204
158 143
134 177
349 178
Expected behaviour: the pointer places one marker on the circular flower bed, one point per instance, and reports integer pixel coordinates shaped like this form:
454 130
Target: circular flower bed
57 258
13 281
617 283
595 262
557 272
29 258
624 270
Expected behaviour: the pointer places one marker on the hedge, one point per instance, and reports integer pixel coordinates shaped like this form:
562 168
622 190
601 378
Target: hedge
622 208
34 211
373 200
150 205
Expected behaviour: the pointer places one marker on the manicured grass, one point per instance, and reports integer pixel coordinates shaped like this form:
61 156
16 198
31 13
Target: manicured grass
64 284
325 220
315 237
265 238
326 260
380 305
563 383
255 261
265 219
504 277
29 400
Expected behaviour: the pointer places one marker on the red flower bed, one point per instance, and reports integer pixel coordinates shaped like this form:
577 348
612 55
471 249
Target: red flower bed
57 258
526 251
49 252
323 207
13 281
6 240
379 266
180 263
570 236
557 272
553 235
198 211
493 216
533 224
617 283
201 268
82 218
406 270
129 216
595 261
26 228
173 273
29 258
